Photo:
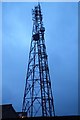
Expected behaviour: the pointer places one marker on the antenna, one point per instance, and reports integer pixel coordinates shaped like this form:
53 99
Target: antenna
38 98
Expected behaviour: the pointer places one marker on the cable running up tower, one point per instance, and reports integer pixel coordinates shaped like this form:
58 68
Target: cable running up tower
38 99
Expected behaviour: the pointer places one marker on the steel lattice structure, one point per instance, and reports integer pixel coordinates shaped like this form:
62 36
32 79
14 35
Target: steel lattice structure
38 99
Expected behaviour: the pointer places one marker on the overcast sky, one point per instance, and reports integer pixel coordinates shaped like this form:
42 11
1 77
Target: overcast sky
61 36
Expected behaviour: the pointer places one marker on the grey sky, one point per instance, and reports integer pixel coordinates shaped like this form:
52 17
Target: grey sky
61 36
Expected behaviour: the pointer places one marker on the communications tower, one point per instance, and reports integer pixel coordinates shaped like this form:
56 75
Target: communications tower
38 98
